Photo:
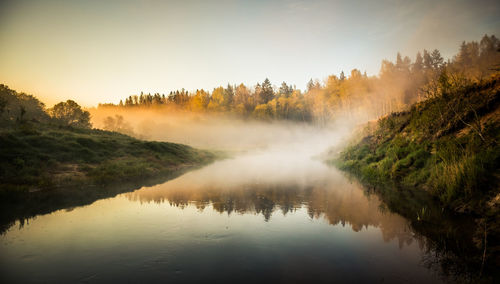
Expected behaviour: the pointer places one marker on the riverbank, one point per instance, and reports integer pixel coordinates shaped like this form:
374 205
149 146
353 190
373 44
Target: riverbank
446 146
39 157
46 167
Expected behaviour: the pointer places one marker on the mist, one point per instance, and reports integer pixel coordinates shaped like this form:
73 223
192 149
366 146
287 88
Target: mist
240 117
222 132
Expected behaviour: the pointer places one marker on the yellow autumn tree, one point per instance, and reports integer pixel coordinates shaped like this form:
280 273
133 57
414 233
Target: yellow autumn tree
199 101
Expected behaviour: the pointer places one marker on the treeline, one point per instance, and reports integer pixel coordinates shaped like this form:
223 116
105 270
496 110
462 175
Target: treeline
19 108
55 149
398 85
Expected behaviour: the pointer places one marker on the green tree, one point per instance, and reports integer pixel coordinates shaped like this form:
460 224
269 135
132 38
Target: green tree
285 90
20 107
399 61
117 124
228 95
427 60
69 113
3 104
266 92
437 60
310 85
419 63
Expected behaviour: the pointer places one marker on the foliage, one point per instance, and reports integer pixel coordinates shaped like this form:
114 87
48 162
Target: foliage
446 145
69 113
118 124
41 152
43 156
20 107
398 85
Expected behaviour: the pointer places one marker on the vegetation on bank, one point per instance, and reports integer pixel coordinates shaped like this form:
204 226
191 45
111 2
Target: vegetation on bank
446 145
42 150
38 157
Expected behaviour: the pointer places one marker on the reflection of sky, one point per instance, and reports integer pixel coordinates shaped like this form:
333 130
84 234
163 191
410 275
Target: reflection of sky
95 51
281 180
332 230
119 240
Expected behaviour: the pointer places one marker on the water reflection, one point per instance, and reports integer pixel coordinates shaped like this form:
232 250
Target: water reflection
274 214
324 193
276 181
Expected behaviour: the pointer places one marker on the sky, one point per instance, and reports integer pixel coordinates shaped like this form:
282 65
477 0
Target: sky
96 51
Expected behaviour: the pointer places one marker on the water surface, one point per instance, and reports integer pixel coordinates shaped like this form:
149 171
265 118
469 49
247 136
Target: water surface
275 214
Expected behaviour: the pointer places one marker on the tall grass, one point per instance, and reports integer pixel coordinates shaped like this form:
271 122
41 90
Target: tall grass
443 145
40 156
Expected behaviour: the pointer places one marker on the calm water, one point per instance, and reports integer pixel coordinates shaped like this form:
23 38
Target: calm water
267 215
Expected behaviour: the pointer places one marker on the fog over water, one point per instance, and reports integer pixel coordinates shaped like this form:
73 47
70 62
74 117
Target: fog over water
224 132
272 210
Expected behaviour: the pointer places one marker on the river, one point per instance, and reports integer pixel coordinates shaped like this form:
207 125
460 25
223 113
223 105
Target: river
273 214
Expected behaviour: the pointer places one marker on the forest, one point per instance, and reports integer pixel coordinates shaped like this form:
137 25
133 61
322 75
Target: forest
356 95
425 140
236 141
42 149
445 145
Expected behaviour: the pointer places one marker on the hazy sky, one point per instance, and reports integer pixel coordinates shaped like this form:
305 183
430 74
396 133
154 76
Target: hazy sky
101 51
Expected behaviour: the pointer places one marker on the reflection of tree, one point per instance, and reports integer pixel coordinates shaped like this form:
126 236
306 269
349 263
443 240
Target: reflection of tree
444 240
347 206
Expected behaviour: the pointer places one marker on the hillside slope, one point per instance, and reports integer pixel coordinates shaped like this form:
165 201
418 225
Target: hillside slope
446 145
40 152
37 156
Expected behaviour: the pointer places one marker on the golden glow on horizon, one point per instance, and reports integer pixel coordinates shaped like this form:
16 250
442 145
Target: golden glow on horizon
95 51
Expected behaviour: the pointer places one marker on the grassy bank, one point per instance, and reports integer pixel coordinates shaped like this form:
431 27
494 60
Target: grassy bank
36 156
445 146
51 159
46 167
